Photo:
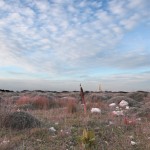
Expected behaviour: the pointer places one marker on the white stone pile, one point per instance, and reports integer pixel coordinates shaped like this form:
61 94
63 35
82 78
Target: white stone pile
119 110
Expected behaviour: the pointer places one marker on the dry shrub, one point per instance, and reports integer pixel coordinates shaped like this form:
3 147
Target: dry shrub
36 102
40 102
61 103
20 120
91 105
96 97
5 109
118 99
147 99
3 115
99 104
138 96
144 112
40 133
71 106
53 104
43 102
23 100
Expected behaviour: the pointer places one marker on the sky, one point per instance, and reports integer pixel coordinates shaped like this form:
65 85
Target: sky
57 44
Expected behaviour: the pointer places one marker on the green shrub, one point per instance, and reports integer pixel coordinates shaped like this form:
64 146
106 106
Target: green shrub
137 96
88 139
26 107
20 120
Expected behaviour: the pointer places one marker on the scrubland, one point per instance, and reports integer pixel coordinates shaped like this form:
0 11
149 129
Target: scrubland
40 120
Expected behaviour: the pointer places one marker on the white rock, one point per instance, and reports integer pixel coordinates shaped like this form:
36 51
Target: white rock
133 143
131 137
38 140
112 105
52 129
123 103
95 110
5 141
127 107
138 119
67 132
56 123
18 110
111 123
117 108
118 113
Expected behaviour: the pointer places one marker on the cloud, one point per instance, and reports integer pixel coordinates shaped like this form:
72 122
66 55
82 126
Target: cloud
60 38
113 82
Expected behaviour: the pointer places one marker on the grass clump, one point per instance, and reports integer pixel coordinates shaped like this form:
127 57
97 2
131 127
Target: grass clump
87 139
20 120
71 107
138 96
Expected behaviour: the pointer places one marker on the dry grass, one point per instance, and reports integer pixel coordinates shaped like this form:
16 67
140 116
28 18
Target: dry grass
71 107
69 121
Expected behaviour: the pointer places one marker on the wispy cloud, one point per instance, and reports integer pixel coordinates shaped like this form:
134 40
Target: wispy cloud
61 38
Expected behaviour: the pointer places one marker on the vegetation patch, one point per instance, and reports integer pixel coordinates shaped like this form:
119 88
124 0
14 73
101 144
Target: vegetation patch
21 120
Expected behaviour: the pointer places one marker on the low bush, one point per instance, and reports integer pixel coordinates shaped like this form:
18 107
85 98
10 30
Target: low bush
71 107
118 99
23 100
40 102
20 120
137 96
26 107
36 102
144 112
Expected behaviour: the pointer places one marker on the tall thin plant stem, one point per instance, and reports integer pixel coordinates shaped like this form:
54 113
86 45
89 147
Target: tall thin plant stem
82 97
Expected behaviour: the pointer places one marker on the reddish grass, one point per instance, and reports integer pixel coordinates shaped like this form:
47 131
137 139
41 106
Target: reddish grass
40 102
129 121
71 106
23 100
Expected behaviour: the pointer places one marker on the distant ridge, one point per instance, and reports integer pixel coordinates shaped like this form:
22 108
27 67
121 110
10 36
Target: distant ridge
2 90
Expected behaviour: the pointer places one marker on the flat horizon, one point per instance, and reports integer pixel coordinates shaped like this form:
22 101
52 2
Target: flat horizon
57 44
